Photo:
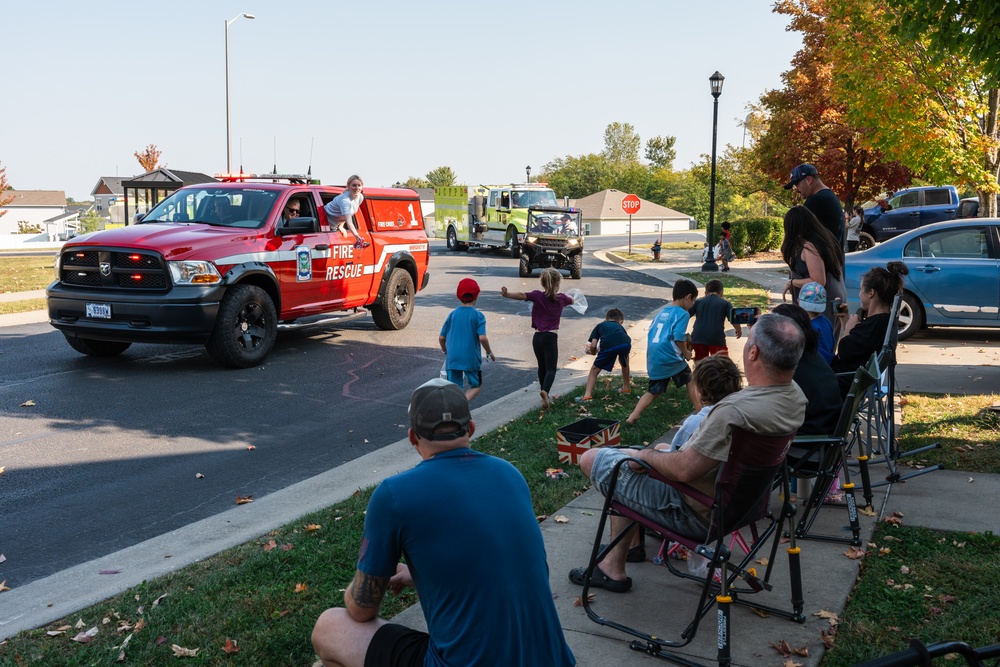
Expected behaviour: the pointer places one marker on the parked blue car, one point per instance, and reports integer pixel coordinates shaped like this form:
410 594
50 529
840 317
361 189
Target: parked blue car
954 278
906 210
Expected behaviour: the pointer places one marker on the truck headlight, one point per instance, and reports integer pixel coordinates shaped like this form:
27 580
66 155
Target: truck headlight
530 239
194 273
573 242
57 264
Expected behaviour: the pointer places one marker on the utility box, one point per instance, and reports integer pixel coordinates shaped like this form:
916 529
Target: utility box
573 440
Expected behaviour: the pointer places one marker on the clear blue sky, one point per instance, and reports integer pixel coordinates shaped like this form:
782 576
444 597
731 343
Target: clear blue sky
385 88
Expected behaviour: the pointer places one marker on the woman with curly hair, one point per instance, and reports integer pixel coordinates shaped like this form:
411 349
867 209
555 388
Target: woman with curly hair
813 255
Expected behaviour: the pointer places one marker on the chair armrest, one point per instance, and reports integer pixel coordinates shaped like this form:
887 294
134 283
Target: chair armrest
686 489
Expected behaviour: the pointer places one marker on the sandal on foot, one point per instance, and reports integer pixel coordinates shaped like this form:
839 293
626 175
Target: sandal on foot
600 580
583 399
545 399
636 554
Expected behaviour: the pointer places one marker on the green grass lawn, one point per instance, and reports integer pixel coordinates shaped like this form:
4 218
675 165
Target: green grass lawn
266 598
22 274
969 432
741 293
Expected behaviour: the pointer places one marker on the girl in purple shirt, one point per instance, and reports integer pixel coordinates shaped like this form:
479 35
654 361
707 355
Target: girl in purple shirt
546 309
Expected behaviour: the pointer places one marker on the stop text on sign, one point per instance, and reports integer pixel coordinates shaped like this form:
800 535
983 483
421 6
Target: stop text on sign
631 204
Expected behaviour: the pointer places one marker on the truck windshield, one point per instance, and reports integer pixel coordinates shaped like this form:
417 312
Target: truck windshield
556 224
246 208
526 198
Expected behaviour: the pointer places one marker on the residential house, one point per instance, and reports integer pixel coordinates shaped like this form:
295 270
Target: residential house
602 214
107 193
41 212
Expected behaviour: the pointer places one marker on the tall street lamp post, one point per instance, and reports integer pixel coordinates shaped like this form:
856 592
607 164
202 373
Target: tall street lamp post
527 171
716 82
229 152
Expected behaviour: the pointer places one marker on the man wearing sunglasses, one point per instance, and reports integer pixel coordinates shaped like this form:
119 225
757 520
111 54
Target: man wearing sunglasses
292 209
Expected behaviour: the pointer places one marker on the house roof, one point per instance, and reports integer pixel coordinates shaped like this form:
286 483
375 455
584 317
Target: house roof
164 175
111 185
607 205
36 198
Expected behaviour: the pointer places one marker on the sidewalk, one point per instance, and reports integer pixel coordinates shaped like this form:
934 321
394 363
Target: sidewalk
941 500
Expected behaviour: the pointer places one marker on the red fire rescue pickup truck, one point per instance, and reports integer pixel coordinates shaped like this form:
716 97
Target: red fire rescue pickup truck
220 264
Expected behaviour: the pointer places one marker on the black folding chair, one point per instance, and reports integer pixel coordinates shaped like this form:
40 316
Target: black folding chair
823 458
742 500
878 428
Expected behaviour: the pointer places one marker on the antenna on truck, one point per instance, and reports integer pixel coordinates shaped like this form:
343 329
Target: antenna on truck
311 143
275 149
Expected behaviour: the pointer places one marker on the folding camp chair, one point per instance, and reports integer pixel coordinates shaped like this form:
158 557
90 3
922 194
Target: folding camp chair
742 499
877 429
823 457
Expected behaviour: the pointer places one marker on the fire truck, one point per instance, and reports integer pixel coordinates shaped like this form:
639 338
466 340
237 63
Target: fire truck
489 216
229 264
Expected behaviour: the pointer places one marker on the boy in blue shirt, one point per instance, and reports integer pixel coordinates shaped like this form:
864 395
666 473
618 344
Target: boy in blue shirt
812 299
462 334
615 344
667 350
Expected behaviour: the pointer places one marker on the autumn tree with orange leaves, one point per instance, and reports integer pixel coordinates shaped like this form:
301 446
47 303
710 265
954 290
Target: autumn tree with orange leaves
4 187
805 122
149 158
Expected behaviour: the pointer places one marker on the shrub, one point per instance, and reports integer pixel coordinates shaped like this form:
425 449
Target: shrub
756 235
24 227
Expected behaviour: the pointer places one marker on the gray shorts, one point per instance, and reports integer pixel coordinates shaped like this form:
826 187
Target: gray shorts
660 503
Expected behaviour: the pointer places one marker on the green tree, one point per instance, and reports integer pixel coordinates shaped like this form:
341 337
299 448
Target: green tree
621 143
4 187
441 177
577 177
968 28
934 110
660 152
413 183
91 222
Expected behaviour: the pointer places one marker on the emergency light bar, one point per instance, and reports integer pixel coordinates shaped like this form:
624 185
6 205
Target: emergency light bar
291 178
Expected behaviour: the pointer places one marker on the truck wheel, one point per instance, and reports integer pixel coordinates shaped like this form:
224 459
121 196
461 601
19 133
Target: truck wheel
396 308
865 241
911 316
97 348
524 268
513 245
452 239
576 266
245 329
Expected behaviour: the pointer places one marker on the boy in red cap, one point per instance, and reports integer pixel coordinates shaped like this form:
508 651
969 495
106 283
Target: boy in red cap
463 333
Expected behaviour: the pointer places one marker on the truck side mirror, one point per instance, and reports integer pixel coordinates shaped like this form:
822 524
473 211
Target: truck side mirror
300 225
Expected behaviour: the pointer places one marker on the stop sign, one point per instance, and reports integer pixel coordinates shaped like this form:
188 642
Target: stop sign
630 204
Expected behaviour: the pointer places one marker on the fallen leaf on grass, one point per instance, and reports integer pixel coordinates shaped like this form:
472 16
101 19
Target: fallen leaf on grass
55 633
28 404
80 624
891 538
827 637
904 570
286 547
578 602
85 637
559 518
541 517
230 646
312 527
140 624
156 602
270 545
243 500
301 588
181 652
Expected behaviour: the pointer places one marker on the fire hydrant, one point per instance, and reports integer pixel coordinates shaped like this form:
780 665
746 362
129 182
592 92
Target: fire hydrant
656 251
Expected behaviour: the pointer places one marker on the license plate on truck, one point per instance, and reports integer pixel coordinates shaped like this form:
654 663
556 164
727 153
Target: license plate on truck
100 311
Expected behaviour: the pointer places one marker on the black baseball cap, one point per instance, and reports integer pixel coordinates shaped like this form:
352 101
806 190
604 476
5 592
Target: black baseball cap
439 402
799 173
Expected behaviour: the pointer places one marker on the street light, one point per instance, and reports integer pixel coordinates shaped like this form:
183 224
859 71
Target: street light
716 82
527 170
229 152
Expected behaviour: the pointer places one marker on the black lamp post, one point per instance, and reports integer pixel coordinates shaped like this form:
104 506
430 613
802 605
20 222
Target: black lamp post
527 170
716 81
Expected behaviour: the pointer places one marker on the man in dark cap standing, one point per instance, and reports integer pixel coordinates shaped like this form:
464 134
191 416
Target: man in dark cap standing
819 199
464 523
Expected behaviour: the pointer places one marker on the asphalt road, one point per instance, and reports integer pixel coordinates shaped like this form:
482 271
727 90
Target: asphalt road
109 452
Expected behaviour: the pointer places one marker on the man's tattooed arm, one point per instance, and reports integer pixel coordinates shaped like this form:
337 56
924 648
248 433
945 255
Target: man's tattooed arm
364 595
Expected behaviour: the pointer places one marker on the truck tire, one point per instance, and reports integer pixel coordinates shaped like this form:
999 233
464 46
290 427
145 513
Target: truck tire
576 266
513 245
97 348
452 239
245 329
865 241
524 267
911 316
396 307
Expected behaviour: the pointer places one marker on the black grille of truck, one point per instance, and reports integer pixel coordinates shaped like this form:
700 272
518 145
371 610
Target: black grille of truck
113 269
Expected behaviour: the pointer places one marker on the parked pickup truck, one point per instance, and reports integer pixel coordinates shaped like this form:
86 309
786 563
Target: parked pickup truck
906 210
230 264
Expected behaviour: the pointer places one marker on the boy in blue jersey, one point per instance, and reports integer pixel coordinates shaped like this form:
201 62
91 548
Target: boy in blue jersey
485 592
463 333
667 350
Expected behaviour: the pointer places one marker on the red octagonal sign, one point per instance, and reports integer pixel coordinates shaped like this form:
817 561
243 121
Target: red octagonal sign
631 204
